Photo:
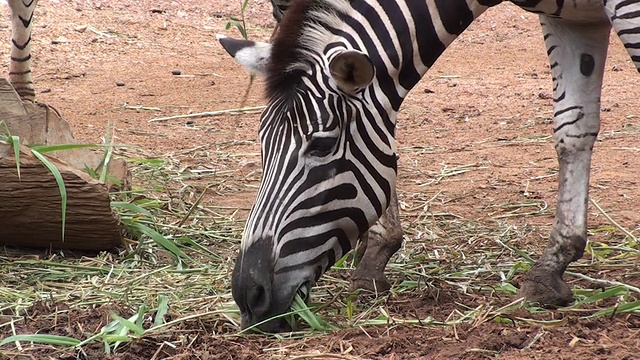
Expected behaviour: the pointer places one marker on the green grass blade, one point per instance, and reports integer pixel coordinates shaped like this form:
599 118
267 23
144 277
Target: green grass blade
128 326
162 241
43 149
140 316
107 155
60 181
163 308
631 307
601 295
131 207
301 309
15 141
42 339
116 339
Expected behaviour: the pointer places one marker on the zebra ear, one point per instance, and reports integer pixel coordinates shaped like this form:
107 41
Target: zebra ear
352 70
253 56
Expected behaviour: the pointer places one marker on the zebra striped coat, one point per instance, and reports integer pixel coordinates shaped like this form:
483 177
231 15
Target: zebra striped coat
337 73
20 64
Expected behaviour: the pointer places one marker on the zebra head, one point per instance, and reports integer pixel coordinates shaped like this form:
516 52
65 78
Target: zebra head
328 157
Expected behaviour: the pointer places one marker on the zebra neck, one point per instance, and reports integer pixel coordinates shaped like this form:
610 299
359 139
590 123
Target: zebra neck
422 31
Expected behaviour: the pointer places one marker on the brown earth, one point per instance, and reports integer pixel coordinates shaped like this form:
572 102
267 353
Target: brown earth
486 104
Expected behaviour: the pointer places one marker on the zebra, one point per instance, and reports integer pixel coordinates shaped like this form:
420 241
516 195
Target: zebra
374 248
20 63
336 75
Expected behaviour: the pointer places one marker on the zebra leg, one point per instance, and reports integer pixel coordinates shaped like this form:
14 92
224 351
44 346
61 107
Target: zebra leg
625 18
20 65
577 54
376 247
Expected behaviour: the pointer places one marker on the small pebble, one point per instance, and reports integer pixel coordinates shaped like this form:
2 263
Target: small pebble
176 72
59 40
45 90
119 83
189 122
157 11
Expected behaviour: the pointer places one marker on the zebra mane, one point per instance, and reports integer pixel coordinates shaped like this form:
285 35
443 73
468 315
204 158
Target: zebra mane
302 34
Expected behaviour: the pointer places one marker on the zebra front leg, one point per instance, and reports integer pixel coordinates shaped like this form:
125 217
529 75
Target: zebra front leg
376 247
577 54
20 64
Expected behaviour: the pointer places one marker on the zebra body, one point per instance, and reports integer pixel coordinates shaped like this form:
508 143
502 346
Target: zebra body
337 73
20 63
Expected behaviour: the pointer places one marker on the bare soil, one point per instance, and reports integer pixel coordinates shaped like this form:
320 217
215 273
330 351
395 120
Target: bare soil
486 103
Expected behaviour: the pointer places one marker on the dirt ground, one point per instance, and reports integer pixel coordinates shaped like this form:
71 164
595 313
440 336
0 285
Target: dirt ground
486 104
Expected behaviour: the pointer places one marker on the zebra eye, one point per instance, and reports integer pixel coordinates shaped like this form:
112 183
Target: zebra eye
321 146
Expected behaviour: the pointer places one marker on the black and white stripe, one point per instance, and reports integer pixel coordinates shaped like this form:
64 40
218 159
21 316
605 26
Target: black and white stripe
311 207
20 63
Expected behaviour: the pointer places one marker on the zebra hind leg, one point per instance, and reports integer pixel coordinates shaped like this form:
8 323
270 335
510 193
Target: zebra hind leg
376 247
577 54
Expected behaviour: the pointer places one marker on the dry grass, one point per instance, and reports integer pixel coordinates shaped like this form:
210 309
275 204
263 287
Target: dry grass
474 264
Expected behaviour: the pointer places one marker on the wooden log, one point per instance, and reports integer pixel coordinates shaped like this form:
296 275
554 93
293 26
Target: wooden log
30 206
41 124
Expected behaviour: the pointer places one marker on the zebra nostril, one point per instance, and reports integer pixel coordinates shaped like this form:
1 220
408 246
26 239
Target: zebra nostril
258 299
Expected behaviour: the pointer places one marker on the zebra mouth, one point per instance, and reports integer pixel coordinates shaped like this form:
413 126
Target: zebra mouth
299 304
303 291
300 298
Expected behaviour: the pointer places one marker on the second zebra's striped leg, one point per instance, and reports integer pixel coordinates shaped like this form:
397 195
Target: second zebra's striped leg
577 54
20 64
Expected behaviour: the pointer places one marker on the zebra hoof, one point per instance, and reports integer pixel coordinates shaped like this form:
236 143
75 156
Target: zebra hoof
546 287
374 285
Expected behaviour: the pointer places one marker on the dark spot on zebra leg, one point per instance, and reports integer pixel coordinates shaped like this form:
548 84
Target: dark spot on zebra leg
378 245
587 64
